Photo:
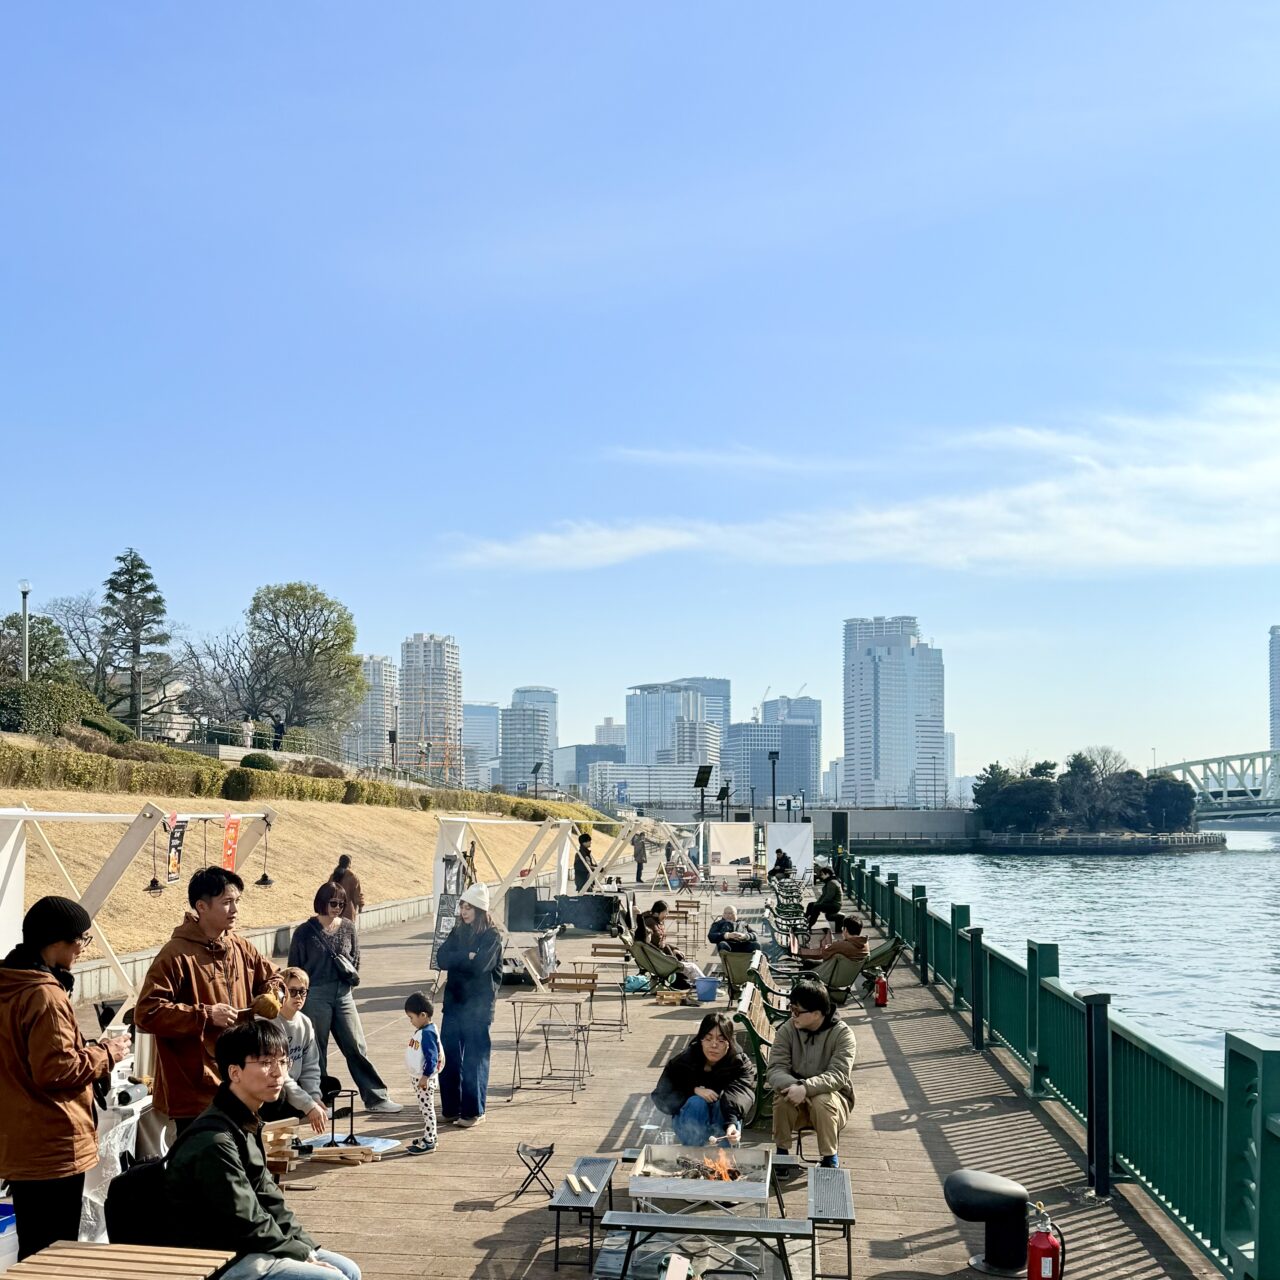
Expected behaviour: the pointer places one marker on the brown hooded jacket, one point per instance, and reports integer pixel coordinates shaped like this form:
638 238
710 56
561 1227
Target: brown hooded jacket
191 974
46 1076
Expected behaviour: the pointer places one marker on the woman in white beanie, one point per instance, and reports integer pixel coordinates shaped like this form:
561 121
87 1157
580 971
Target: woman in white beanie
471 956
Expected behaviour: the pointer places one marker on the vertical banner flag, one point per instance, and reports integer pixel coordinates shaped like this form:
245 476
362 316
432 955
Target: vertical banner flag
177 833
230 838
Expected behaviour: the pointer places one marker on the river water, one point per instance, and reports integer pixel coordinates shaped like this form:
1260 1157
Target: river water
1187 943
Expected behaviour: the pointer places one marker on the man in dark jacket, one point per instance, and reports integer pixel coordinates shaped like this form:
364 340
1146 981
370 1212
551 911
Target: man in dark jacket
783 867
830 899
726 934
47 1135
217 1177
709 1088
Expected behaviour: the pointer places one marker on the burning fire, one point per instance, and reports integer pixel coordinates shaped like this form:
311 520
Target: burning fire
721 1169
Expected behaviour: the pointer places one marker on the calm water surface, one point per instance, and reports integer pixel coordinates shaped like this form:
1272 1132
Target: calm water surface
1188 944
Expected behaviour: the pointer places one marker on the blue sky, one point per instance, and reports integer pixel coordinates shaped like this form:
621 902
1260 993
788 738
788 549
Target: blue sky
633 343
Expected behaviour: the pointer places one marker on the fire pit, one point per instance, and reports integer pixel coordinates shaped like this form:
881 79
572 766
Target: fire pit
724 1175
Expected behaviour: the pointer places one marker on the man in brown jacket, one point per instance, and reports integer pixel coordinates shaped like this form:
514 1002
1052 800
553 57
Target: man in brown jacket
349 882
203 980
48 1138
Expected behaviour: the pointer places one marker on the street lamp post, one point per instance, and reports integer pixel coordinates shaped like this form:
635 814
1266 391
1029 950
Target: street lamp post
537 768
25 587
753 804
773 774
801 804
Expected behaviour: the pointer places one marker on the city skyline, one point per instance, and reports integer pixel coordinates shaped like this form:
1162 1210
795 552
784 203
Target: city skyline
977 327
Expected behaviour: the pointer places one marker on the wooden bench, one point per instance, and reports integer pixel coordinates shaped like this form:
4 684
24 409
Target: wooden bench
594 1176
758 1035
772 1233
831 1208
82 1260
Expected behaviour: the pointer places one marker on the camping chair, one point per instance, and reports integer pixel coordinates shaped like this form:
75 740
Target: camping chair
660 968
735 966
838 974
535 1160
881 961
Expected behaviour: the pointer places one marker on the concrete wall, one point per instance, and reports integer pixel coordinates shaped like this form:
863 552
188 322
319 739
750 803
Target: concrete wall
98 981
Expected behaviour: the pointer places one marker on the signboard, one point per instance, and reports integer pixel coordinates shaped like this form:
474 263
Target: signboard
177 834
446 918
230 839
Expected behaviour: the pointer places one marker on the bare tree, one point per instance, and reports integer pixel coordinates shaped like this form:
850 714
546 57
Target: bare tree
1106 760
229 677
92 638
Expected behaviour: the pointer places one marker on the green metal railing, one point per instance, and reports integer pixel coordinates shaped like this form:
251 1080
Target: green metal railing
1207 1153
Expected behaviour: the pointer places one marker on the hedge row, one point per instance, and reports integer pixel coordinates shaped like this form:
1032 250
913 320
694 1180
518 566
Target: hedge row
62 769
44 706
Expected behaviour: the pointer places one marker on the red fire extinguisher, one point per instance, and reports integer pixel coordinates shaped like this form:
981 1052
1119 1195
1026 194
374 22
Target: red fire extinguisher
882 991
1046 1248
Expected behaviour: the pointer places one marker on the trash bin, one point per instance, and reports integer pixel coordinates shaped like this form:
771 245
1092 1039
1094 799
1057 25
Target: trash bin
708 989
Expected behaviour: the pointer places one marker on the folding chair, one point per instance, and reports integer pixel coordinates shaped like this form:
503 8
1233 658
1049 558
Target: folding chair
535 1160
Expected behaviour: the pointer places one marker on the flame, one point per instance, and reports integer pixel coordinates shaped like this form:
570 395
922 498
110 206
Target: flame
720 1169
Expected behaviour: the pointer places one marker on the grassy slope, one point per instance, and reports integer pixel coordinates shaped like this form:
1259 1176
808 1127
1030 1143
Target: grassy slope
391 851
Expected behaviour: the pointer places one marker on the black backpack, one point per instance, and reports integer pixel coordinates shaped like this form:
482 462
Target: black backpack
137 1208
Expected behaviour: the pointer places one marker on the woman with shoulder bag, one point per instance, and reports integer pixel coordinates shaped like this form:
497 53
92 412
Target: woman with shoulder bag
327 949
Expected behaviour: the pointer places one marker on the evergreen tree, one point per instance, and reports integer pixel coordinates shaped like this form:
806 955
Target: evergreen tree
135 609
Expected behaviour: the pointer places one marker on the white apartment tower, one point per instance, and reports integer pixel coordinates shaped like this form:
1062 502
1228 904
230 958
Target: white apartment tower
540 696
652 712
1275 688
431 707
894 734
367 740
611 734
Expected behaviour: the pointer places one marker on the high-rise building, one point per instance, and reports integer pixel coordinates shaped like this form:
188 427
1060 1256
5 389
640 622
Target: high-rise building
431 707
951 768
367 740
540 696
652 712
570 764
801 761
696 742
479 740
894 735
525 740
611 734
1275 688
745 759
833 780
715 694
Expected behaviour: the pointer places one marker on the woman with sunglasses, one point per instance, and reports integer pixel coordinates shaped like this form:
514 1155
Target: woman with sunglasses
709 1087
327 949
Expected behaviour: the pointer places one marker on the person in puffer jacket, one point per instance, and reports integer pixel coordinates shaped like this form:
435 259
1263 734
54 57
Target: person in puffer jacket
811 1072
47 1134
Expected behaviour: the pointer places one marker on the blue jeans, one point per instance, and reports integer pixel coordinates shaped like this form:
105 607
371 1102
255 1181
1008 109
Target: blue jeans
697 1122
254 1265
464 1082
331 1007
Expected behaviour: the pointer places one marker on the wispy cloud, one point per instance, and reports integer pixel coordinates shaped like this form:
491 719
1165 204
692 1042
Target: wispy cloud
1196 489
735 458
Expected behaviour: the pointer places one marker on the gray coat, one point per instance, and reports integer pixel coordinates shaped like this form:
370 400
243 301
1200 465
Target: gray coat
820 1060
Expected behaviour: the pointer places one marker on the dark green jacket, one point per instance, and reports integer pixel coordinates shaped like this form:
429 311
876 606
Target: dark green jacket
830 897
220 1187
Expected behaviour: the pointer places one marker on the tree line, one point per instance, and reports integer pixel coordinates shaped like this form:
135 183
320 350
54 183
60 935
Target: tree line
291 659
1097 790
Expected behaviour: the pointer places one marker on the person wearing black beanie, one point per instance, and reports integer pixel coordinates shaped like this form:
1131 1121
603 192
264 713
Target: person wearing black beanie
48 1139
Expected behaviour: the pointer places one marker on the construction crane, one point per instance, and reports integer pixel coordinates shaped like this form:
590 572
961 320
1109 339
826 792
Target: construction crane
801 689
757 713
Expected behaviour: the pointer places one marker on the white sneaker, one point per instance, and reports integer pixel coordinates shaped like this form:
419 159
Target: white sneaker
469 1122
385 1108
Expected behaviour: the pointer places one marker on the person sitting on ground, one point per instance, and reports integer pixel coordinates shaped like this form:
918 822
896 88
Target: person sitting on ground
709 1087
811 1072
203 979
830 899
48 1139
726 934
848 941
653 930
217 1179
301 1098
783 868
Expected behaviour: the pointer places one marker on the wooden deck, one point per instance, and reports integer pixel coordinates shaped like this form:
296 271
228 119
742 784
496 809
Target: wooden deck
926 1105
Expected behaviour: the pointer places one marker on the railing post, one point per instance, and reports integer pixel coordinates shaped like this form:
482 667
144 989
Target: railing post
978 987
871 891
860 882
1042 962
959 920
1251 1155
1097 1053
920 904
891 881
